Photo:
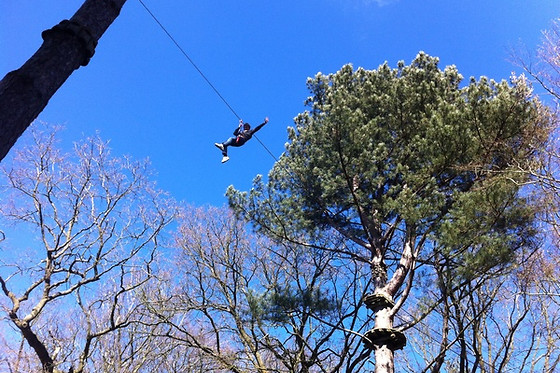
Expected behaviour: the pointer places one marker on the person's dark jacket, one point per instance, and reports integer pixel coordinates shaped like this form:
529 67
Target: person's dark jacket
245 135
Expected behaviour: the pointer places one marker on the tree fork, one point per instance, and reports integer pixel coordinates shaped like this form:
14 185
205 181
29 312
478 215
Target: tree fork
25 92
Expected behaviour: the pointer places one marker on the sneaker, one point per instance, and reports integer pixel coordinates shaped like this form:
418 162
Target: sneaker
225 159
219 146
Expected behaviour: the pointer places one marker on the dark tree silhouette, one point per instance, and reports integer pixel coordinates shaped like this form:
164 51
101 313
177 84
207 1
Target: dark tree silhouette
25 92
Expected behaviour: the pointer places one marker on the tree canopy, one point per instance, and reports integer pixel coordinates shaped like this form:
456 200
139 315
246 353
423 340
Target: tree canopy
403 164
82 229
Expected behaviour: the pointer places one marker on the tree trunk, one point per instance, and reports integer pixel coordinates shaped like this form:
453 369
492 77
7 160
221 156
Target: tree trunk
25 92
389 338
384 357
38 346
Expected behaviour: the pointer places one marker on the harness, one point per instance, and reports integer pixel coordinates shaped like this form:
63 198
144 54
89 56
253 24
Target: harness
241 137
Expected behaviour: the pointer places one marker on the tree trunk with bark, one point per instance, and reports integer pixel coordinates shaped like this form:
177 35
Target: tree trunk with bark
25 92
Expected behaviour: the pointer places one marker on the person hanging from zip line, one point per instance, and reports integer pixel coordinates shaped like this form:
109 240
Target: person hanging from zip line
241 135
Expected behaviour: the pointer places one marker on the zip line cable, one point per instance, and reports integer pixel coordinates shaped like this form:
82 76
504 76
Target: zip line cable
200 72
297 177
264 146
188 58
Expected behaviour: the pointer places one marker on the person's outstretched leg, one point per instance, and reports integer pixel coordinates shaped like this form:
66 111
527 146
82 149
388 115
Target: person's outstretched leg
223 147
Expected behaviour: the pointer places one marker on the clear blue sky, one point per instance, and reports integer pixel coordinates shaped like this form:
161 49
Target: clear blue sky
143 95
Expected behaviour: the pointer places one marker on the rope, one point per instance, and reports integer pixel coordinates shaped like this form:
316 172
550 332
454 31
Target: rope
264 146
188 58
201 73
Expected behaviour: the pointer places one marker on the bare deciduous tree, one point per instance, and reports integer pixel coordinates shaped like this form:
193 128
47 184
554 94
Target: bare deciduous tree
248 304
504 322
544 66
81 237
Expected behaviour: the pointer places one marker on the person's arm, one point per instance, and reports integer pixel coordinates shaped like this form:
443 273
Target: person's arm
259 126
238 129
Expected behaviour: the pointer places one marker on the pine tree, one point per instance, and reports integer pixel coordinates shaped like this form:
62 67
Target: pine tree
401 163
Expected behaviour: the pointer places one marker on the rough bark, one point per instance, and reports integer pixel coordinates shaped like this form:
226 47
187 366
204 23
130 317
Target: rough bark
384 355
25 92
